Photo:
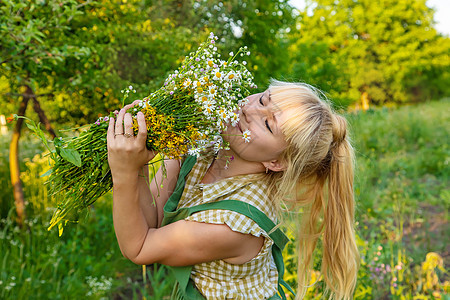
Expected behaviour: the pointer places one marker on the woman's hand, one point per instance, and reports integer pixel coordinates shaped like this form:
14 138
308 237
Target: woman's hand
127 154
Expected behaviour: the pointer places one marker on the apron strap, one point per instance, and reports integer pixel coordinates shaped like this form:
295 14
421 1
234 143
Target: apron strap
185 288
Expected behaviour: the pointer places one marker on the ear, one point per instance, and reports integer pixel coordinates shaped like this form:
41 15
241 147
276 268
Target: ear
274 165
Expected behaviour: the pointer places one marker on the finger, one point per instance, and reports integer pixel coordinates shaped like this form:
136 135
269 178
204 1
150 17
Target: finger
110 132
128 124
119 122
142 132
135 102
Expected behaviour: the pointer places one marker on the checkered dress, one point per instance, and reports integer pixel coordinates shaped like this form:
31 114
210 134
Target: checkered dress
256 279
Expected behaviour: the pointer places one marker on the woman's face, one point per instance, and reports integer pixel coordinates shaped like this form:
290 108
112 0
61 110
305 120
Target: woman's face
262 118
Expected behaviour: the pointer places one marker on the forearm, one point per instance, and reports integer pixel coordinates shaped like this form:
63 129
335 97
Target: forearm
130 223
147 201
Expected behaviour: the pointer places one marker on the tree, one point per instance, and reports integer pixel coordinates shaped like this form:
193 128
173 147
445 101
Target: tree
261 25
71 58
32 44
388 51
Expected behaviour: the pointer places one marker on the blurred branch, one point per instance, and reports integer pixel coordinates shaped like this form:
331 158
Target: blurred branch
29 95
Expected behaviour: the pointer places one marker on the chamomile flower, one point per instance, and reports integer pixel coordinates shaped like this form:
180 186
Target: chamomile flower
194 152
208 108
231 76
246 135
212 90
242 102
223 115
217 75
234 118
187 83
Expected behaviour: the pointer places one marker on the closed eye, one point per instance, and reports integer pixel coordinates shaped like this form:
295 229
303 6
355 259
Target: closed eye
268 127
260 100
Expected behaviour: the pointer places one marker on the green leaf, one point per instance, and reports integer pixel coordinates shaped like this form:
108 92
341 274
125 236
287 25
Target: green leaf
71 155
32 127
47 173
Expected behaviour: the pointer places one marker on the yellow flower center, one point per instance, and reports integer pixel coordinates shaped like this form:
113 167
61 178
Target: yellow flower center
218 74
231 76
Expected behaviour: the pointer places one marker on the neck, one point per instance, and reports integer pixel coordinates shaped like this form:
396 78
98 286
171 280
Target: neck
228 164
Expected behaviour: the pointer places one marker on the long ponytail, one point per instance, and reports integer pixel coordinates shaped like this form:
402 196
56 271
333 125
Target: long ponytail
332 215
340 260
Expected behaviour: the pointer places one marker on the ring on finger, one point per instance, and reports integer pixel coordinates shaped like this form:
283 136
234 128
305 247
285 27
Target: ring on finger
118 134
127 135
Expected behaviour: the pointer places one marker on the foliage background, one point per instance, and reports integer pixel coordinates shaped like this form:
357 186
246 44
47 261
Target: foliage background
76 56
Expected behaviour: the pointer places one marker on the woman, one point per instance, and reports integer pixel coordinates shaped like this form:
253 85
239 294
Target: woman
299 154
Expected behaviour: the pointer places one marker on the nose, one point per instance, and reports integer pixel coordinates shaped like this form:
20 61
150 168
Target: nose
254 109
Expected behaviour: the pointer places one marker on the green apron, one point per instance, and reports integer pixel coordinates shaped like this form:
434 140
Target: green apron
184 287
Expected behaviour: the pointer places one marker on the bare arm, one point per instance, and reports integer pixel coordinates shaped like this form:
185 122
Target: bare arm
185 243
177 244
153 196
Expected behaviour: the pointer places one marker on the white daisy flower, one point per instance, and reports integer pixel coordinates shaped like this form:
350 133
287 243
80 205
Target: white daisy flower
242 102
231 76
208 108
223 115
194 152
217 146
187 83
234 118
217 75
246 135
212 90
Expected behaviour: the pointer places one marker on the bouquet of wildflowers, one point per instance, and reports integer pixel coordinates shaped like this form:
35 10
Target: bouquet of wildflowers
185 116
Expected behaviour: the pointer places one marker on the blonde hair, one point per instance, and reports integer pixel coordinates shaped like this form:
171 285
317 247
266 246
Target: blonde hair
318 176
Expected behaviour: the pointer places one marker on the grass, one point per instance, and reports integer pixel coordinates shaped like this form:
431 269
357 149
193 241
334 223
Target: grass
402 194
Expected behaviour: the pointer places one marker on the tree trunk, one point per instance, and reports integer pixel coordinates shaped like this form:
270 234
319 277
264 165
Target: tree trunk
14 169
42 117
